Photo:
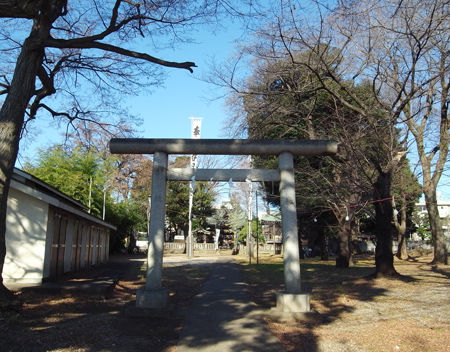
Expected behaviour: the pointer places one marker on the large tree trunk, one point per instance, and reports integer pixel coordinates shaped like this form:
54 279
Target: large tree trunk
440 247
384 258
402 252
343 258
323 246
11 122
400 226
346 222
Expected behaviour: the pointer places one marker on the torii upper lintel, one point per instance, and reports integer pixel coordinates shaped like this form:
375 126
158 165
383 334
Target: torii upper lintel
222 146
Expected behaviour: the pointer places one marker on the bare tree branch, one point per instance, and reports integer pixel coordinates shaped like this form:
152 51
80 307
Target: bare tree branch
60 43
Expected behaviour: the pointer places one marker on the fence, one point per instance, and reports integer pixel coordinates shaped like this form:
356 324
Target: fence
270 248
180 247
204 247
174 247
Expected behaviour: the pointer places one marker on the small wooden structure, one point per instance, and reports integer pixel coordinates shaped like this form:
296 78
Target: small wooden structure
48 233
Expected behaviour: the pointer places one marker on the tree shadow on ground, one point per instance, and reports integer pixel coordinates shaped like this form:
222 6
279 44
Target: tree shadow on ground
223 317
334 292
437 270
86 321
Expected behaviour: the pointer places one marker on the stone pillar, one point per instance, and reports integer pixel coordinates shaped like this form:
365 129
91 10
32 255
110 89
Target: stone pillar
153 295
292 300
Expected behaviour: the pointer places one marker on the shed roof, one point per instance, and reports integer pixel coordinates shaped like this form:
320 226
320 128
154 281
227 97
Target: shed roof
33 186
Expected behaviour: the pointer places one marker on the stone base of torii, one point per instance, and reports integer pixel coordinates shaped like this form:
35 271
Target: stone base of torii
153 295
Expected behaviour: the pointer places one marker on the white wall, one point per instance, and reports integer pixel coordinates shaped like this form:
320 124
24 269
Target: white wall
443 208
26 228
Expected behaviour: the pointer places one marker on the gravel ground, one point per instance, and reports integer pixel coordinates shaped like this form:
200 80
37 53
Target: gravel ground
357 314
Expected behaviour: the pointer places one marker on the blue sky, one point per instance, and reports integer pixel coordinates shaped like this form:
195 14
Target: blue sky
167 110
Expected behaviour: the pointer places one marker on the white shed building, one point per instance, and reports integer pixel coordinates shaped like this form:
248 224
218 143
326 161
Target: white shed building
49 233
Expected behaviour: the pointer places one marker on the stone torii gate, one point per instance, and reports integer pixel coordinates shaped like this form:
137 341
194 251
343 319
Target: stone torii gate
153 295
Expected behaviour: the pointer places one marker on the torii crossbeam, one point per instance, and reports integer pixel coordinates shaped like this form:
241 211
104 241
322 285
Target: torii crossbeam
153 295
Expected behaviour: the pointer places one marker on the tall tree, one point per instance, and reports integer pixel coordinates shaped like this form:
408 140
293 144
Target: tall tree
285 99
177 204
61 47
237 217
401 49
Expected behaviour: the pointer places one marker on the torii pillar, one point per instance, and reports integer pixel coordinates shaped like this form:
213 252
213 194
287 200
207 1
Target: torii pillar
153 295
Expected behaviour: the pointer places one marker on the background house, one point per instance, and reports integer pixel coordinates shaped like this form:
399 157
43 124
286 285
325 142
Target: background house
271 227
443 206
444 214
49 233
